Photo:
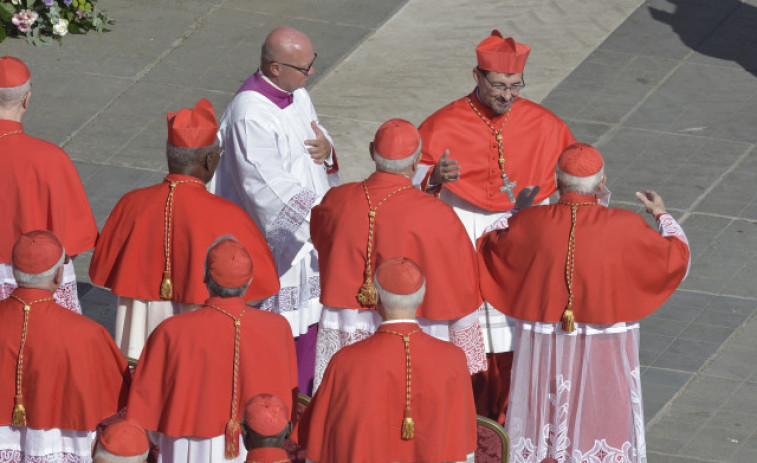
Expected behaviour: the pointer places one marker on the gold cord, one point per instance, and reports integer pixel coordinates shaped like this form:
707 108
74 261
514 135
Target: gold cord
568 319
166 286
497 134
232 427
11 133
366 295
19 412
408 425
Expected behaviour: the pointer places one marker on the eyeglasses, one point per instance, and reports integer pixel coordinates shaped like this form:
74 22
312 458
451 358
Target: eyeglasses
502 88
306 70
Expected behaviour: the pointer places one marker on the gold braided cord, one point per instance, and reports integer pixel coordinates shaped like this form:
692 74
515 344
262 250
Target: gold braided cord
497 133
19 412
366 295
11 133
166 286
408 425
568 319
232 427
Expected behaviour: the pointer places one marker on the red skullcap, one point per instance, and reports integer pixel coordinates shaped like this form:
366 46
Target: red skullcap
13 72
266 414
580 160
193 128
396 139
229 264
125 438
36 252
498 54
400 275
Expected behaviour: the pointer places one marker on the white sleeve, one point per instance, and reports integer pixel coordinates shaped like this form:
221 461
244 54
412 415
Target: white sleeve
668 226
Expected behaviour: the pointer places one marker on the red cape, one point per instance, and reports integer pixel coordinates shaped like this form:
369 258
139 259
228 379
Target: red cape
533 140
624 269
183 383
410 224
74 376
41 190
356 415
129 257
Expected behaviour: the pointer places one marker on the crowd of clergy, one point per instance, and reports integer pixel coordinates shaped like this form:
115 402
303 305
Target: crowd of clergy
266 313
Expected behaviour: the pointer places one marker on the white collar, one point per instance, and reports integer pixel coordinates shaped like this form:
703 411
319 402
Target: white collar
392 322
272 84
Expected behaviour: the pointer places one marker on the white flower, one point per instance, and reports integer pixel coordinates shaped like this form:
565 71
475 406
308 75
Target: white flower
60 27
15 2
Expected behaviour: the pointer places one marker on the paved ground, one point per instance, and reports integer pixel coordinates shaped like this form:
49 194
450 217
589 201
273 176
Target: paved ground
666 89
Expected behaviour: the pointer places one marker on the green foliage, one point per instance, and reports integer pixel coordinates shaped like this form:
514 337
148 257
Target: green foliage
40 24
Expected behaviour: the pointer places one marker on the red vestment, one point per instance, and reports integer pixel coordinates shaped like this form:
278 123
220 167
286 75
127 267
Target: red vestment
357 413
129 255
409 224
41 190
73 374
624 269
533 140
267 455
183 382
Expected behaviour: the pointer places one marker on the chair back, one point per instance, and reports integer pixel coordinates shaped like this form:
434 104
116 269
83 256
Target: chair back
493 443
295 452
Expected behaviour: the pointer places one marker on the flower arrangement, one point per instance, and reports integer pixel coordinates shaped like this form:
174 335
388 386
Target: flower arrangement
42 21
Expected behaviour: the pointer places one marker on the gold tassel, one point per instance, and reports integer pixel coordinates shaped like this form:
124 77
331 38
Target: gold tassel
19 414
568 321
367 294
232 439
166 287
408 426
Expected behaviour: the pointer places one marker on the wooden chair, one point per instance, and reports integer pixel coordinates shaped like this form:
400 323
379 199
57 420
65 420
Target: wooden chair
493 443
295 452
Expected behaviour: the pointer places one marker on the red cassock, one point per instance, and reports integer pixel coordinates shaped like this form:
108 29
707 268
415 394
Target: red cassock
41 190
624 269
409 224
74 376
267 455
357 413
129 255
533 140
183 382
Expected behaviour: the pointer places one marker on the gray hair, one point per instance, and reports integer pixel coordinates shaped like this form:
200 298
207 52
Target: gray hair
581 185
180 156
11 97
395 166
109 457
214 287
393 301
24 279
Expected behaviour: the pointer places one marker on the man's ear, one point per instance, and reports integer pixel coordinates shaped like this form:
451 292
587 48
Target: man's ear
58 277
370 149
25 101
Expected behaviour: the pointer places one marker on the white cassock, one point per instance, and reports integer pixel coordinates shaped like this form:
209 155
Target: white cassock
268 171
66 295
45 445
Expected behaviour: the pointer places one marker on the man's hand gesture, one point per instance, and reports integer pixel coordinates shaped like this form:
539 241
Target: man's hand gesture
652 201
320 146
445 171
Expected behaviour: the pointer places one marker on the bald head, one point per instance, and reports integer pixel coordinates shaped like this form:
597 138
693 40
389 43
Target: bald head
286 58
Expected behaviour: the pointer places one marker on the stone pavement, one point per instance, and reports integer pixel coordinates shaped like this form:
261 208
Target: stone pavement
666 89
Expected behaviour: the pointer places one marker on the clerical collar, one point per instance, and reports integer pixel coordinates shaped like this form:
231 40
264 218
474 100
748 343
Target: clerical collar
263 85
393 322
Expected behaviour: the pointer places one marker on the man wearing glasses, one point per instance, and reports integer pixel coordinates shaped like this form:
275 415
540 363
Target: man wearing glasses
279 163
478 153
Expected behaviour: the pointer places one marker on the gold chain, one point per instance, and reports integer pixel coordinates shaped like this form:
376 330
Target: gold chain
497 133
11 133
408 425
366 295
568 319
19 412
233 424
166 286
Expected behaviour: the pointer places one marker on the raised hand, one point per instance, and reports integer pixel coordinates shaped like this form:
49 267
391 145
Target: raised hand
320 146
446 170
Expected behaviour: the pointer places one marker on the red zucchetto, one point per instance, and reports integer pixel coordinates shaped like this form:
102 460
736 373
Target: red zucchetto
580 160
266 414
400 275
193 128
396 139
36 252
13 72
125 438
505 55
229 264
